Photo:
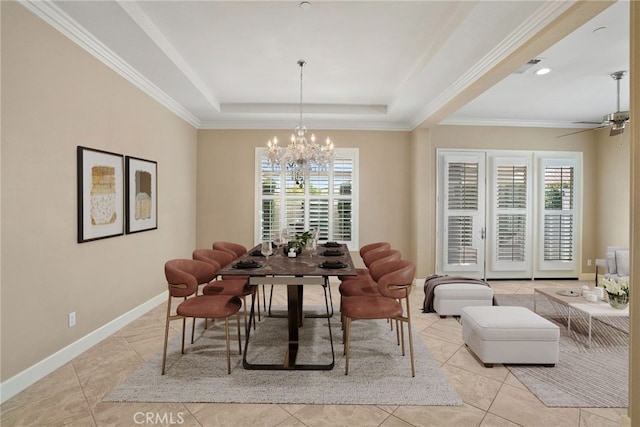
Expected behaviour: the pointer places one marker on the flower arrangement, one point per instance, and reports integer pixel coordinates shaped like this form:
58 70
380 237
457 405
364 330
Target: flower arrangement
620 287
618 292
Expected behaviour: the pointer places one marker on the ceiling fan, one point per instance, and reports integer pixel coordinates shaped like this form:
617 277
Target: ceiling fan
618 120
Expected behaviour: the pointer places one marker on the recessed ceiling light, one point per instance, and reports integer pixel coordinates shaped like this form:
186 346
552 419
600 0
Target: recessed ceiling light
543 71
305 5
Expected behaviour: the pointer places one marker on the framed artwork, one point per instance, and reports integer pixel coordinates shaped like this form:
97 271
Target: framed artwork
100 194
141 194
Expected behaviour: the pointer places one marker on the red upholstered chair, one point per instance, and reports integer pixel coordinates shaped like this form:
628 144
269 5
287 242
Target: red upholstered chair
183 277
372 246
379 265
367 251
235 248
393 287
238 250
228 285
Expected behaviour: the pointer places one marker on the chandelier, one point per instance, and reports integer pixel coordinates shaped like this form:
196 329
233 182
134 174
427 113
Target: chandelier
301 153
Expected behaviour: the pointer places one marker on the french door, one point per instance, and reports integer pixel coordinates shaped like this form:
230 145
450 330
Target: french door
505 214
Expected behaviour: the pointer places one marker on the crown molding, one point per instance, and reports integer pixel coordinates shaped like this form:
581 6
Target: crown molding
312 125
468 121
57 18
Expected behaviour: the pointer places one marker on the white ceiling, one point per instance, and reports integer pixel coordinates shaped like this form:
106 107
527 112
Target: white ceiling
370 64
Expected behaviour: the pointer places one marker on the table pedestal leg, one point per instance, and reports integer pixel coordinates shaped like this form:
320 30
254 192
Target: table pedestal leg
294 298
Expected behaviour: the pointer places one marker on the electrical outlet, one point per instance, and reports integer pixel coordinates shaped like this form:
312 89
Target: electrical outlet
589 263
72 319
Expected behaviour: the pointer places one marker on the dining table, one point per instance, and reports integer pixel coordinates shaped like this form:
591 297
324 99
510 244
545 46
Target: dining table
309 268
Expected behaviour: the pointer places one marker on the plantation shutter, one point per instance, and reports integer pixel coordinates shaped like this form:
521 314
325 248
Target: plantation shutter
464 214
559 215
326 200
508 228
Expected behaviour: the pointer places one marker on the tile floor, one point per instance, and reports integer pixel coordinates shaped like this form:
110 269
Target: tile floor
72 395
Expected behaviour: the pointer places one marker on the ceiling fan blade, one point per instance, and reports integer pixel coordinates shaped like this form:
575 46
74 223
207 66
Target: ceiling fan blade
589 123
580 131
615 131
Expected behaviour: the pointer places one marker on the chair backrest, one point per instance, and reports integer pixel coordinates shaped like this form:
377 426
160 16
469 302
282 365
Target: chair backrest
208 256
184 275
235 248
384 265
375 255
403 273
373 246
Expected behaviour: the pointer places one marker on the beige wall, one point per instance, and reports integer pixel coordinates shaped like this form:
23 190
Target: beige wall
56 96
226 163
612 188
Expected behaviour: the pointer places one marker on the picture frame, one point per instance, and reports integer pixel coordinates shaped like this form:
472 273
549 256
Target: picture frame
141 194
100 188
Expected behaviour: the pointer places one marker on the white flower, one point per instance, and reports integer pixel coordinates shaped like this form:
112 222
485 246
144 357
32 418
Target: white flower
621 287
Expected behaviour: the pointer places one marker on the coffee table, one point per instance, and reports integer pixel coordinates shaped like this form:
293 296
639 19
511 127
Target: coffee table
579 303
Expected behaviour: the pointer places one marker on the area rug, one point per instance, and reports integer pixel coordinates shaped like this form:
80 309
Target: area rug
378 373
584 377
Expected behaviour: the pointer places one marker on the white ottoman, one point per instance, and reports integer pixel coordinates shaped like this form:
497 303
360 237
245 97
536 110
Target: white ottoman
450 298
504 334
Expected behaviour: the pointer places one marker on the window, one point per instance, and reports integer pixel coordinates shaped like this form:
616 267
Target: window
559 211
327 200
511 215
558 217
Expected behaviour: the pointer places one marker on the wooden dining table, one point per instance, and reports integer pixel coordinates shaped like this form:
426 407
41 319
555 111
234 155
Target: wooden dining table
294 273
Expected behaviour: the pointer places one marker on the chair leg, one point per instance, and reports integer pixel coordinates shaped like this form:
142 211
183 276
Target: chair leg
226 333
184 325
239 340
413 367
400 327
166 336
347 335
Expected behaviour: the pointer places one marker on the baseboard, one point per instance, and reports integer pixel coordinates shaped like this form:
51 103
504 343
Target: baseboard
24 379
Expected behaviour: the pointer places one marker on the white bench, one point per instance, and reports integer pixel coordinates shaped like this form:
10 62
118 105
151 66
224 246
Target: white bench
450 298
514 335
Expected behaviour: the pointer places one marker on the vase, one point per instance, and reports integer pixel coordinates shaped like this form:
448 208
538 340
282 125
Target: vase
619 301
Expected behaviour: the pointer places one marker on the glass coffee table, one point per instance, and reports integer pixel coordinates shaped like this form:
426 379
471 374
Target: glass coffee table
572 299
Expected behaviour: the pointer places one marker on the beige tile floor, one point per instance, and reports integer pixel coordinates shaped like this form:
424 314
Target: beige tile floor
72 395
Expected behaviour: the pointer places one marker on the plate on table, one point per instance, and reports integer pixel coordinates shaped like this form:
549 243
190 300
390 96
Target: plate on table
332 265
332 252
568 293
246 265
332 245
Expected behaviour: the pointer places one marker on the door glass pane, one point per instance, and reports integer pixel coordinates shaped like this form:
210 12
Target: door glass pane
463 186
460 241
558 237
511 237
559 215
512 187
